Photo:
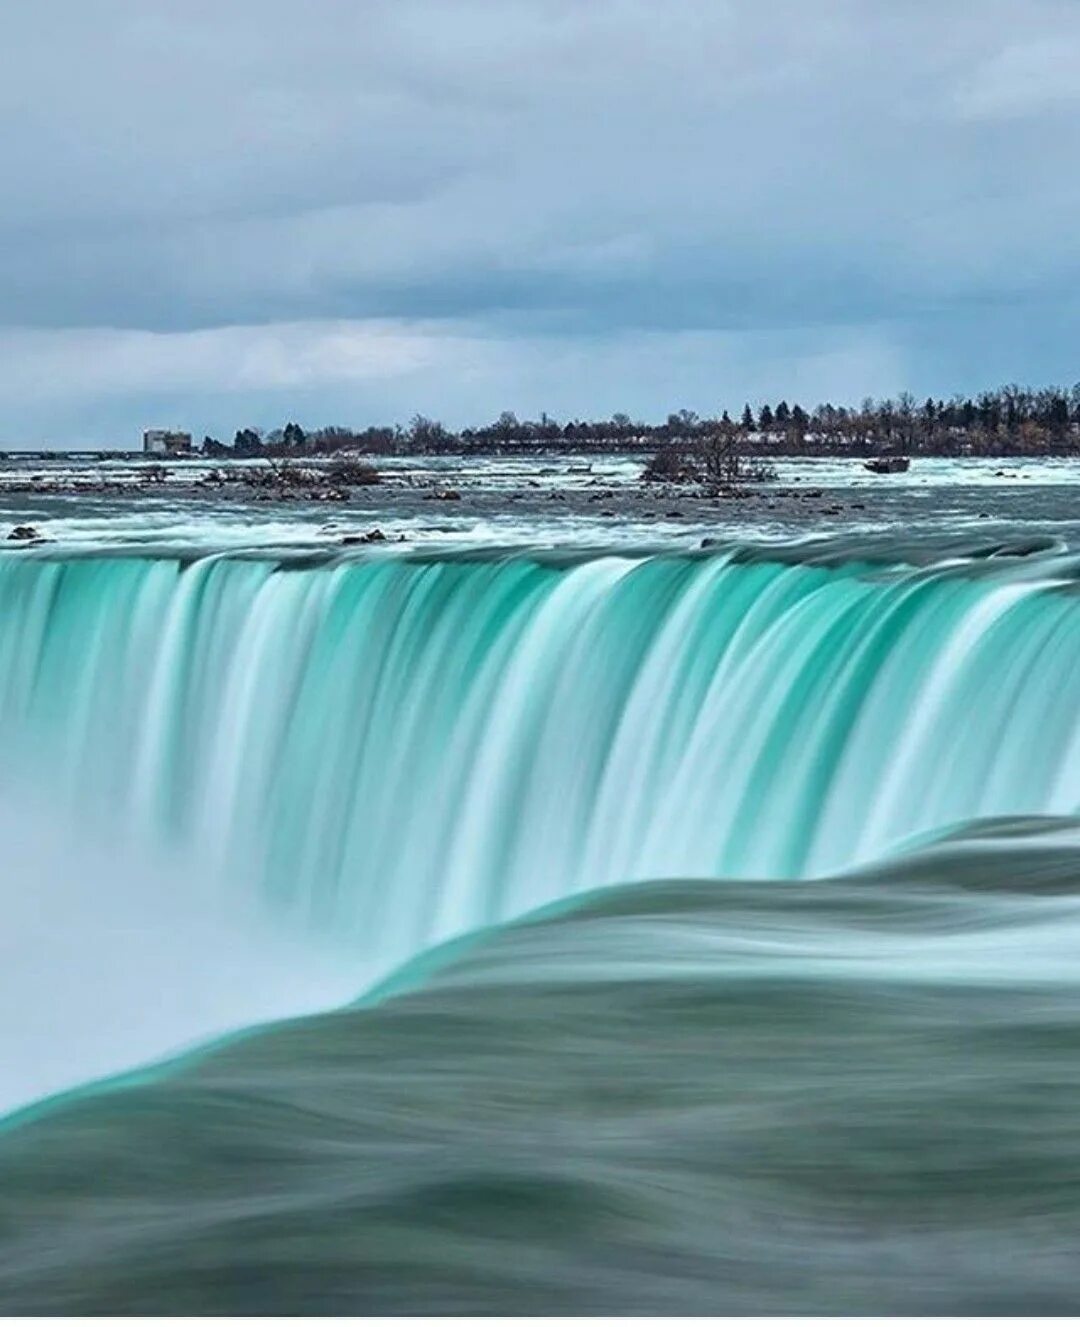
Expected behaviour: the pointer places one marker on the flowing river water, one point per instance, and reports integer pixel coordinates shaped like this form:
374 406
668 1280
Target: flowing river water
557 925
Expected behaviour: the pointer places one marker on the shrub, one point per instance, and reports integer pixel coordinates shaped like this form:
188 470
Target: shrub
347 471
669 464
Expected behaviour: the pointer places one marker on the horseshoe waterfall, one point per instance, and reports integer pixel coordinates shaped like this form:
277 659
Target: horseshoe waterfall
795 808
412 749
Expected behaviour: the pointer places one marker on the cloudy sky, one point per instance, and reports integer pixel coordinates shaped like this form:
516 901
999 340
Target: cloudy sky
222 212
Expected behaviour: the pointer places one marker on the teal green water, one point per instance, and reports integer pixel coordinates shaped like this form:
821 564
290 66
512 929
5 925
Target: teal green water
804 1066
410 749
855 1095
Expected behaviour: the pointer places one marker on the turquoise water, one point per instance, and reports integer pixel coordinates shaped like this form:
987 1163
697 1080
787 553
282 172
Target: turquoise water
844 1096
471 737
241 788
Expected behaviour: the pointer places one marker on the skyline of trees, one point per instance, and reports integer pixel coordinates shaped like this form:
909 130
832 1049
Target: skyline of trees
1012 418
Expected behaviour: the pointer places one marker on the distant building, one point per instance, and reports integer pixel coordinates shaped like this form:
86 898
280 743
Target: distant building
166 442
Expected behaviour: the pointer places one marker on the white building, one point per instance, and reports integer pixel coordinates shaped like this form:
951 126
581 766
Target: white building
166 442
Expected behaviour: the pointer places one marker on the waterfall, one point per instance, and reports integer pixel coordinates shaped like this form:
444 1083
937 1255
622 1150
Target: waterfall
405 748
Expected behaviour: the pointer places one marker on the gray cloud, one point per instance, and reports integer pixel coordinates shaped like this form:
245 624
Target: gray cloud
543 182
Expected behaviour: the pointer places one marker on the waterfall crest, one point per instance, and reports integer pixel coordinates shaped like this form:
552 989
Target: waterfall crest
412 748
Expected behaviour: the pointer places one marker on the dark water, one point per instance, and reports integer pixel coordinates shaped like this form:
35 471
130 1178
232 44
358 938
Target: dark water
857 1095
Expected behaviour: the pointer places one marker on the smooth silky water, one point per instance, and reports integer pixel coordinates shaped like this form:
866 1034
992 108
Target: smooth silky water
446 791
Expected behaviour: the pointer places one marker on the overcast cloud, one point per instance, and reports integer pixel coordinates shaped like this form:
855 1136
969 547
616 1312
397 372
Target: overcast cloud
217 214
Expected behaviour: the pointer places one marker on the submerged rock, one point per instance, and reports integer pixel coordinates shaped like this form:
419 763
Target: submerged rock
26 534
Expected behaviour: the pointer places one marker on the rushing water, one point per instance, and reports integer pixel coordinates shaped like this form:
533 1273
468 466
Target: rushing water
414 748
244 787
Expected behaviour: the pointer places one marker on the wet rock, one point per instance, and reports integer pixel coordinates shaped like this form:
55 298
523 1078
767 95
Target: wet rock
443 495
375 536
26 534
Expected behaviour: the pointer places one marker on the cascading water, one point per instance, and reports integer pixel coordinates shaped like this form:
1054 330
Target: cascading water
674 1095
408 749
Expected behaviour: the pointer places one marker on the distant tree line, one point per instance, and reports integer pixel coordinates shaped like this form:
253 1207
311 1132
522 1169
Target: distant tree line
1010 420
